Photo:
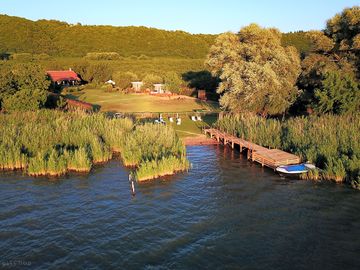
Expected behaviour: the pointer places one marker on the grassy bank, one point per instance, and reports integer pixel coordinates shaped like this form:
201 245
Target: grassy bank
53 143
119 102
331 142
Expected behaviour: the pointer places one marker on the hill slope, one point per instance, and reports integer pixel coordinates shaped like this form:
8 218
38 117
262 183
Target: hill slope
62 39
55 38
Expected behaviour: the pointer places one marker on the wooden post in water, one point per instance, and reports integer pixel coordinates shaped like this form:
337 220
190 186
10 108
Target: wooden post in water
132 185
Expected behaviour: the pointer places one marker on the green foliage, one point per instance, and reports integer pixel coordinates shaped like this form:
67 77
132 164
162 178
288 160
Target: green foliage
173 82
149 80
297 39
61 39
19 82
338 94
334 50
102 56
52 143
201 80
25 100
123 79
165 166
320 42
98 73
329 141
155 149
257 74
30 76
344 28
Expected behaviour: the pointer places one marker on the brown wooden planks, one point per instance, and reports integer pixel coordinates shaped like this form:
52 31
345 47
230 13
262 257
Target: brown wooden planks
267 157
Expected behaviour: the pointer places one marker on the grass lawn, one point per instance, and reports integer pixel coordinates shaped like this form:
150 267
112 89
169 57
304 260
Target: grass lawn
188 128
117 102
128 103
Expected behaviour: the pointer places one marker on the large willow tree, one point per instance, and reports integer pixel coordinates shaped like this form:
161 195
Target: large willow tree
257 73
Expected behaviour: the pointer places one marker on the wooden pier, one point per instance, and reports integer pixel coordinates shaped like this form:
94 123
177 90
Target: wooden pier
271 158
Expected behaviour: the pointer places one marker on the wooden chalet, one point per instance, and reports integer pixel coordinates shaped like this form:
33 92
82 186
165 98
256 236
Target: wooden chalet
64 77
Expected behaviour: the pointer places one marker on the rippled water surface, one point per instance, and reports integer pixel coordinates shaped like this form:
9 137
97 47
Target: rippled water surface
225 213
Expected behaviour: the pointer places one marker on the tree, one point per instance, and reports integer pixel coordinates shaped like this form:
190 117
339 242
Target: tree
173 82
319 41
98 72
334 50
201 80
339 94
14 78
30 76
149 80
25 100
257 73
123 79
344 28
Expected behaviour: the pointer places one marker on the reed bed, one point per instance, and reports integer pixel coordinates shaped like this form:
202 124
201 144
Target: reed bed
53 143
155 150
331 142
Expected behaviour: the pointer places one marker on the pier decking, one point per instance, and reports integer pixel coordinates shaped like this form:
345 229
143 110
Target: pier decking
271 158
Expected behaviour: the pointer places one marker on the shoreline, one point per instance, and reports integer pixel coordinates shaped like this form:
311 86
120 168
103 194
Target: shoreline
199 140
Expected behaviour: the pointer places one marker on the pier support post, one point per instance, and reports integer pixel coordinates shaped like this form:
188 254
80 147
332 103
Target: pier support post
232 144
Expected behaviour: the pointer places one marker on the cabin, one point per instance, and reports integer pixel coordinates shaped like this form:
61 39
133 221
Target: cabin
137 86
64 77
159 88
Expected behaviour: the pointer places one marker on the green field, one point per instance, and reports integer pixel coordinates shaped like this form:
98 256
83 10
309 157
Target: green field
189 128
118 102
131 103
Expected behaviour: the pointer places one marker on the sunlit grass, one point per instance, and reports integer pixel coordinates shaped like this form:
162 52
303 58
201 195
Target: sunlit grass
53 143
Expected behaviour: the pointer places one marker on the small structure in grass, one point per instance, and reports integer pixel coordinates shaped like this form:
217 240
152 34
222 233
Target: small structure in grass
159 88
137 86
201 94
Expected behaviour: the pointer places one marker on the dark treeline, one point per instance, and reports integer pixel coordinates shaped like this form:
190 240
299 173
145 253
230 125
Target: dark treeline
55 38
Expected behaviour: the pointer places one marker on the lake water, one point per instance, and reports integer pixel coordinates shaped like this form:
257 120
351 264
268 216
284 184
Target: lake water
224 213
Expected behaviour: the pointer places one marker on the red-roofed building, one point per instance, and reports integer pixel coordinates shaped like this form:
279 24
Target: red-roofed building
64 77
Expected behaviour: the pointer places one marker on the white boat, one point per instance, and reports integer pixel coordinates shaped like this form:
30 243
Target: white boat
295 169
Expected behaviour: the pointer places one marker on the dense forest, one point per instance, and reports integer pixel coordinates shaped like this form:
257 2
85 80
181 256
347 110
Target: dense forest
55 38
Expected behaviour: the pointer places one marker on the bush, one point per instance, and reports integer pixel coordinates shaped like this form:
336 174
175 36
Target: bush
25 100
149 80
102 56
173 82
123 79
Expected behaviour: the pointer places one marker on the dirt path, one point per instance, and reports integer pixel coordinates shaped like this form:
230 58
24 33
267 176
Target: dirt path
199 140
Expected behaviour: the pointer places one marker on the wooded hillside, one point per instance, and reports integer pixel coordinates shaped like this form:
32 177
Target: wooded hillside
55 38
